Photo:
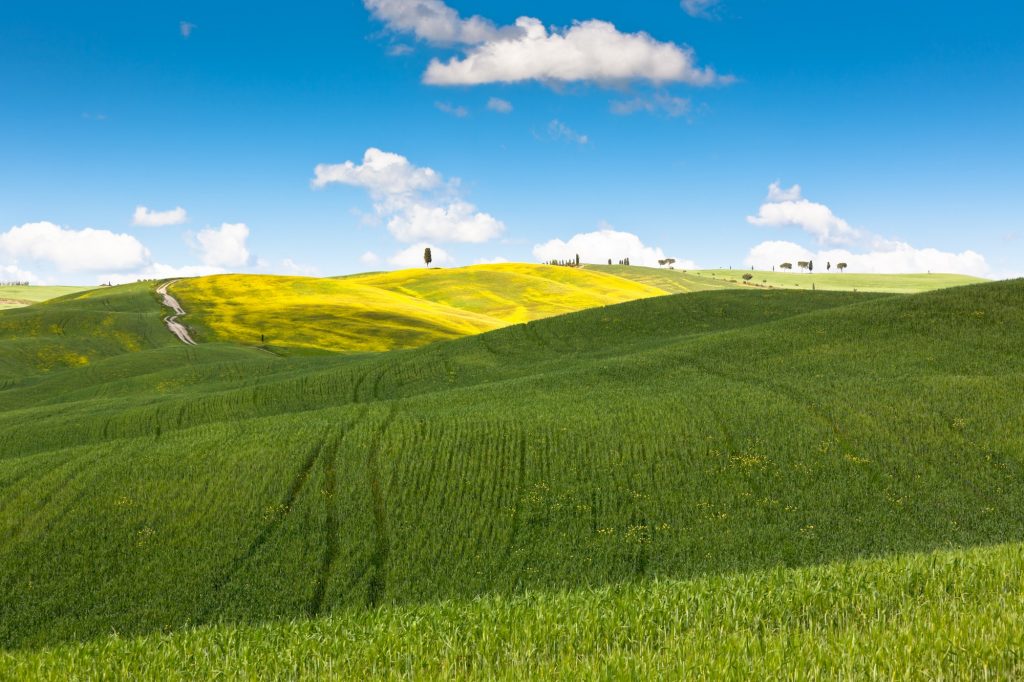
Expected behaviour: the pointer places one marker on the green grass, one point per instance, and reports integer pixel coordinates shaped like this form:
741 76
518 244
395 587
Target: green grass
948 615
20 296
847 281
668 280
748 446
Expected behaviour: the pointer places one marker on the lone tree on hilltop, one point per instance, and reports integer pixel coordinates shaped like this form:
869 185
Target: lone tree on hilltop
609 261
802 264
810 265
427 257
828 266
840 266
786 266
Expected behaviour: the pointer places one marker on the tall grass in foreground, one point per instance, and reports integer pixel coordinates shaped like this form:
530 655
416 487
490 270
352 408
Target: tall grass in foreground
951 615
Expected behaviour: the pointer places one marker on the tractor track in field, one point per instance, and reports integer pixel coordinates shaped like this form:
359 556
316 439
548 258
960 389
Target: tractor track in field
294 490
175 327
378 561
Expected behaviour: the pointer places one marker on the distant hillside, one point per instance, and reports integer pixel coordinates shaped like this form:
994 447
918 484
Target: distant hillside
393 310
20 296
847 281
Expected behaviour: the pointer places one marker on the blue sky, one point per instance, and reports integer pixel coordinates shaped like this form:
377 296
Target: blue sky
655 131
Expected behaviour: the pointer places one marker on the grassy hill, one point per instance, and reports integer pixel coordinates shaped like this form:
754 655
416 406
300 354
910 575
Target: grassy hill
906 617
835 281
615 461
20 296
387 311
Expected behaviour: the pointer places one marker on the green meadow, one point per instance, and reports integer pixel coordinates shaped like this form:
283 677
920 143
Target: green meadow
20 296
840 281
736 482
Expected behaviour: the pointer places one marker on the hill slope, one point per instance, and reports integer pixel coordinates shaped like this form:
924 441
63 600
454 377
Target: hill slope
20 296
835 281
386 311
668 438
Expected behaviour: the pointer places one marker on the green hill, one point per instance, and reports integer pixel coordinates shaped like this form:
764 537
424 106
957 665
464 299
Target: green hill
719 444
846 281
21 296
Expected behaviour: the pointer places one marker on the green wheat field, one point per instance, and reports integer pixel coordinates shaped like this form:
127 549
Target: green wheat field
662 475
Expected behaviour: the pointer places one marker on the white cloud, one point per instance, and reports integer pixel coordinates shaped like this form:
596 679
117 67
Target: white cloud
559 131
417 202
776 193
399 50
186 28
432 21
787 207
12 273
383 173
862 251
456 111
499 105
602 245
457 222
290 267
490 261
698 8
223 247
586 51
73 250
369 258
159 271
147 217
885 258
657 103
412 257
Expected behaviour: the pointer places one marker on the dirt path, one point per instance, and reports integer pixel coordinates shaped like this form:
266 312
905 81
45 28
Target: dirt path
177 328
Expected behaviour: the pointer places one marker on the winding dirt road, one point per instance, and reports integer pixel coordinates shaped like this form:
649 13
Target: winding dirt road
177 328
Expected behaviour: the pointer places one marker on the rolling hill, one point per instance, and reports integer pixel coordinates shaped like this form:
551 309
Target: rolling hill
847 281
388 311
21 296
742 451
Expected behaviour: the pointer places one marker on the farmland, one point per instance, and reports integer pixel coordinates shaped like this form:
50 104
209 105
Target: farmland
845 281
737 479
388 311
20 296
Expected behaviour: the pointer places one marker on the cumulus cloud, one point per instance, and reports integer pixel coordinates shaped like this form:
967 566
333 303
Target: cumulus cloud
71 250
698 8
417 203
456 222
412 257
290 267
159 271
658 103
456 111
382 173
490 261
223 247
559 131
885 257
12 273
862 251
586 51
369 258
432 21
147 217
786 207
499 105
602 245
